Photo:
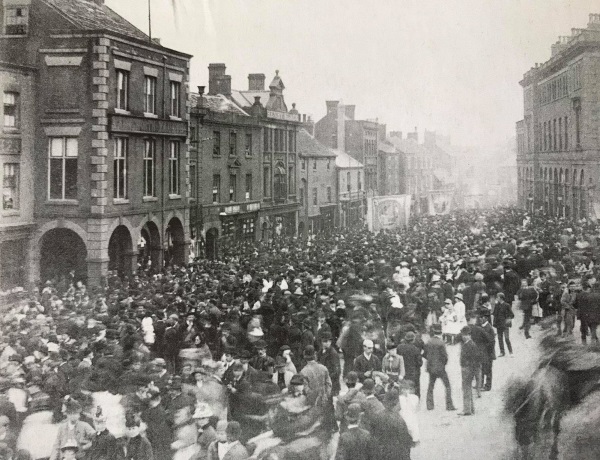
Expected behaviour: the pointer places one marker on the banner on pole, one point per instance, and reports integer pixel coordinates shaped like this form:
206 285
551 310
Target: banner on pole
388 212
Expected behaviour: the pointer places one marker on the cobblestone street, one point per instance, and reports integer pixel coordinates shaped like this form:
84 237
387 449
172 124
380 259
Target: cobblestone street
488 434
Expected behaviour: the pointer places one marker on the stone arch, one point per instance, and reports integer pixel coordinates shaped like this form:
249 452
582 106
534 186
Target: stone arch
120 251
150 245
175 242
212 243
123 221
61 251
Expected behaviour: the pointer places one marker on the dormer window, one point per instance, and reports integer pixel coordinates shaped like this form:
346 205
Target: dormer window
16 20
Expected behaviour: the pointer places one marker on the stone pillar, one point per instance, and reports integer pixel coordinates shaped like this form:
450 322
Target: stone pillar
97 270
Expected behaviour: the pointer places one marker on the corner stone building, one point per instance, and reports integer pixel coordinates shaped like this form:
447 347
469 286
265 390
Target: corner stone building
558 140
110 170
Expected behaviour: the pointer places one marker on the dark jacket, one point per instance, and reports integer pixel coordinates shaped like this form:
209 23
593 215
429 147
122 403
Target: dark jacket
362 365
391 438
588 307
138 448
330 359
104 447
512 284
158 432
528 297
470 354
502 312
484 340
412 361
436 355
355 444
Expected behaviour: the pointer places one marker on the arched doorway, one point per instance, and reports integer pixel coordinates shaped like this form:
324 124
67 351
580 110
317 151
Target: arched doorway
301 229
149 246
62 251
212 246
120 251
175 239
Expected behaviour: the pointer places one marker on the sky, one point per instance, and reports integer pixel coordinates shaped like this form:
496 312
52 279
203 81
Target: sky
447 66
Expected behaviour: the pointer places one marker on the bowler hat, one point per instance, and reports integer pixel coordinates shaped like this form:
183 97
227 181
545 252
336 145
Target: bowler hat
326 336
297 379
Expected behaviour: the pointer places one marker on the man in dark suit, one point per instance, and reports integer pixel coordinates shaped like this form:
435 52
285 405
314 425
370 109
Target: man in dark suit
365 364
470 360
391 437
503 316
511 284
329 358
355 443
587 304
488 347
412 360
437 358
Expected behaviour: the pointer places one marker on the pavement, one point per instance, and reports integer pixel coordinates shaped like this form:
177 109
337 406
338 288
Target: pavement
488 434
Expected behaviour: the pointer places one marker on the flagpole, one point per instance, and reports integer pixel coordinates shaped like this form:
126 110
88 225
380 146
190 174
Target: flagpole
149 20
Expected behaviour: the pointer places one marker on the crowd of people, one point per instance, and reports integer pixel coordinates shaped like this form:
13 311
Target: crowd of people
299 338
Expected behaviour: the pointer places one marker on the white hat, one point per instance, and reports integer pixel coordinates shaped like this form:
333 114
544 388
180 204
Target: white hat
203 410
367 343
256 332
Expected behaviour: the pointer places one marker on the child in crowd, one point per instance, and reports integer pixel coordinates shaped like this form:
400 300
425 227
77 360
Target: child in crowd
409 406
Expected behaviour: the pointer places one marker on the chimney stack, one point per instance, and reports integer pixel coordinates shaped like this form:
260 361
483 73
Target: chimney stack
332 106
594 22
224 84
349 111
256 82
215 72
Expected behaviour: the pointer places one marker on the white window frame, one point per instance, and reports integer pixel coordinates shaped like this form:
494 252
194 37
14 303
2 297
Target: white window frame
15 166
64 157
174 173
150 84
11 100
175 98
149 159
14 20
122 88
120 160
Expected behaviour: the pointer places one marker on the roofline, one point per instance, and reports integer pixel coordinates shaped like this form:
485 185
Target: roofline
110 34
12 65
317 155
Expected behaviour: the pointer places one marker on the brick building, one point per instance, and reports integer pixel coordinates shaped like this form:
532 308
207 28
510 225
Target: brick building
352 197
558 140
418 169
16 166
110 176
392 179
317 188
339 130
225 171
279 171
